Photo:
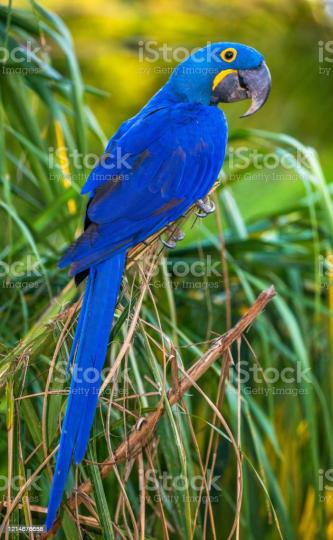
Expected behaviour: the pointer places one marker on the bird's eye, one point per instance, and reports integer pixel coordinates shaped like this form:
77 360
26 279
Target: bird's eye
229 55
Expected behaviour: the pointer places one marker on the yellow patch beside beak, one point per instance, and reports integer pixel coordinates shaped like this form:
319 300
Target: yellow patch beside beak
220 76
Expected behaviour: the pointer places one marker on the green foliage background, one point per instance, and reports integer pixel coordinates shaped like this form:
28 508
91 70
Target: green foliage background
277 224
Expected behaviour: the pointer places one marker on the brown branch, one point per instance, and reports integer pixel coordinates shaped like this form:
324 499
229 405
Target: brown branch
144 430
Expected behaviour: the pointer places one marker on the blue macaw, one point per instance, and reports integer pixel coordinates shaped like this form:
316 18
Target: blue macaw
174 148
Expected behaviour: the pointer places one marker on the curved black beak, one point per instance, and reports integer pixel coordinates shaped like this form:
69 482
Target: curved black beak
254 84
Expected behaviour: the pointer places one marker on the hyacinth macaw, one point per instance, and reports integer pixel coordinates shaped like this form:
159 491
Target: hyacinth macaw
174 147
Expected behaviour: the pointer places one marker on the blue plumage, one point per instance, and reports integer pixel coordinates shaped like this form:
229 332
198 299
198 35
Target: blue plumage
155 167
91 341
172 165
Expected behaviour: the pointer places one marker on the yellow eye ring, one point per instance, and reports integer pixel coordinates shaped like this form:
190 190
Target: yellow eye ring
229 54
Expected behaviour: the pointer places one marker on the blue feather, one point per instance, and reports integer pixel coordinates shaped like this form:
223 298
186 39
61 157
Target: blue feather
90 342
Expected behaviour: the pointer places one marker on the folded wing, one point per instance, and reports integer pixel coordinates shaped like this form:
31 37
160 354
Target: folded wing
168 160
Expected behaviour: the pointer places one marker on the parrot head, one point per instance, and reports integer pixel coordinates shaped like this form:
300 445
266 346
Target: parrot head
223 73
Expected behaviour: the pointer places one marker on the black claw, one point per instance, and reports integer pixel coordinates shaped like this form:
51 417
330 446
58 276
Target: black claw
178 235
170 243
201 214
207 206
175 236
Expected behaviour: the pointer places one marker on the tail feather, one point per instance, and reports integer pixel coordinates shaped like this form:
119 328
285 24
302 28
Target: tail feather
80 322
88 412
90 345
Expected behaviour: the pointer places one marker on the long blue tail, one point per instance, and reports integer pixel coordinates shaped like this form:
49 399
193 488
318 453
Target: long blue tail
89 347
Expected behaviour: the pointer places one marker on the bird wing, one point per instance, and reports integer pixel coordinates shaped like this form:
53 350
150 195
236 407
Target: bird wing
173 157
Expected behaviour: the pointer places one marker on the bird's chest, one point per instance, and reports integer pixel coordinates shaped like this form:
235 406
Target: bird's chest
204 143
205 134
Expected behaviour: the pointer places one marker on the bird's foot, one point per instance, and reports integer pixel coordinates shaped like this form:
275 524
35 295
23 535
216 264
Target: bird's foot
206 207
174 236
